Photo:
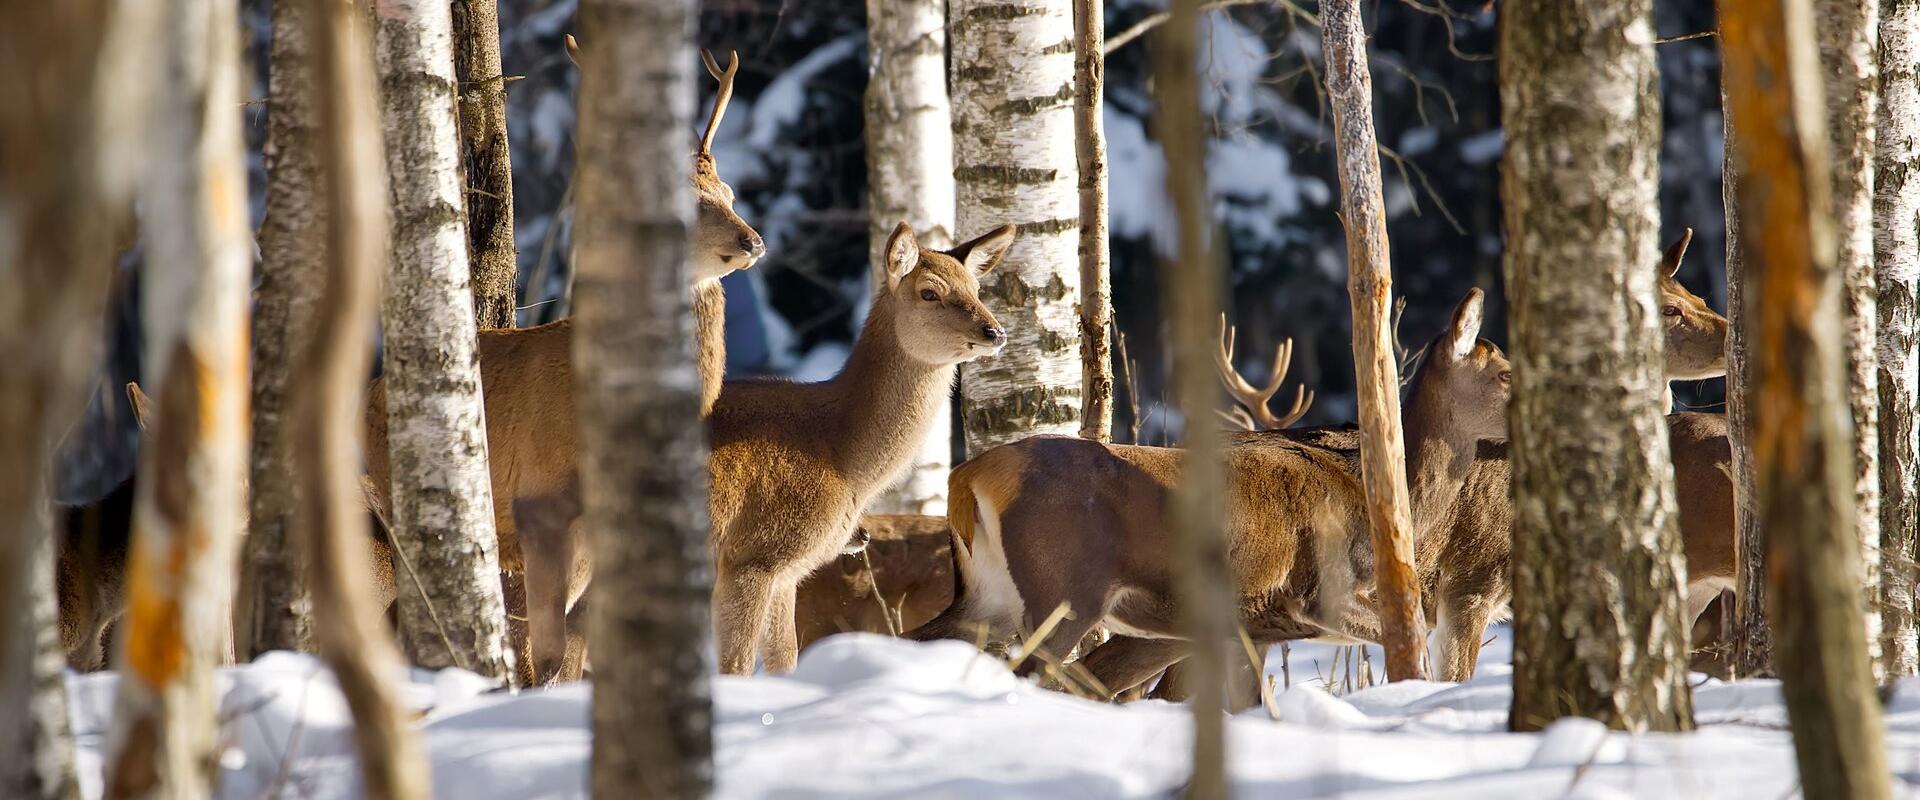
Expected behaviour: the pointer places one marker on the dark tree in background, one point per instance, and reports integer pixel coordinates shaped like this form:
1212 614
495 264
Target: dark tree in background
485 156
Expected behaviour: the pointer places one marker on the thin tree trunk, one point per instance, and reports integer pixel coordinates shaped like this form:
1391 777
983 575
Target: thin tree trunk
1753 638
448 583
328 383
1597 567
55 267
272 609
643 461
488 165
1801 445
1383 450
1194 285
1096 284
909 126
1848 29
1012 84
1896 246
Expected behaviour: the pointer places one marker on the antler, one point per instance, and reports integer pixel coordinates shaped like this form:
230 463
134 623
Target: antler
721 98
1253 413
573 50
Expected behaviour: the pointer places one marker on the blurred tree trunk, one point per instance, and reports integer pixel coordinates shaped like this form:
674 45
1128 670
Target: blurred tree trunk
643 465
1193 283
272 609
1383 451
187 520
1848 29
1752 637
909 125
327 416
54 191
1012 84
1096 284
1896 247
1800 444
1597 568
488 166
448 570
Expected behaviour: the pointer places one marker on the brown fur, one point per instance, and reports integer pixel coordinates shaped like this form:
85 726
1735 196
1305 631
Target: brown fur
912 559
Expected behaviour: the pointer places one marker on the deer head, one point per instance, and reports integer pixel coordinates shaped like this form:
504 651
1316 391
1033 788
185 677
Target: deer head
1252 412
1696 335
1466 376
935 297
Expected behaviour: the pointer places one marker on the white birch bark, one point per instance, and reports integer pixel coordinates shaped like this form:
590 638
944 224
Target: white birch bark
1896 246
910 178
1014 161
448 570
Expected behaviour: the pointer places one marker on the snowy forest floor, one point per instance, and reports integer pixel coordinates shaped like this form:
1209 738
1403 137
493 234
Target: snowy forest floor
868 716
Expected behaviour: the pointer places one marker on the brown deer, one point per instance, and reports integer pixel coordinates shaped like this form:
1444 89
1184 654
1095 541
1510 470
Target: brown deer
1053 520
526 377
902 579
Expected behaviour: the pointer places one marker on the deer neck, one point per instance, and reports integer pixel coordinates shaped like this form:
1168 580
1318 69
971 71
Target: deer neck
710 339
1439 455
887 399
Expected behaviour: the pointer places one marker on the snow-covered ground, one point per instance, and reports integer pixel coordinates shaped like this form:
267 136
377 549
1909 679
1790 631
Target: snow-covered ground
867 716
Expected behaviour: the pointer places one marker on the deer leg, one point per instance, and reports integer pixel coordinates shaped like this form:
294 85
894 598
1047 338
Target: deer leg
781 646
548 552
1126 663
1462 627
740 601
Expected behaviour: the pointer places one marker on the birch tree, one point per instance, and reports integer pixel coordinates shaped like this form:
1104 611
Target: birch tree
272 609
1096 283
909 125
643 458
1011 74
1801 447
187 518
328 383
1194 285
1896 256
1597 568
487 162
448 570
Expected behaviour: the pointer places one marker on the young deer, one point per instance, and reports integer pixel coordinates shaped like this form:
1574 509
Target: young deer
526 376
1053 520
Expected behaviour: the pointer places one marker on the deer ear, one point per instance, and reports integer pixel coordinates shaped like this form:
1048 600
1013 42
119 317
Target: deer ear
142 405
1670 261
1465 330
902 253
984 253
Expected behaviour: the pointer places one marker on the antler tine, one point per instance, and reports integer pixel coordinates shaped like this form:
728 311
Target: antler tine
1302 398
721 97
573 50
1237 418
1253 400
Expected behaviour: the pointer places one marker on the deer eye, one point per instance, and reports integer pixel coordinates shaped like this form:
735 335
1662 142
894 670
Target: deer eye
1506 376
928 295
1671 311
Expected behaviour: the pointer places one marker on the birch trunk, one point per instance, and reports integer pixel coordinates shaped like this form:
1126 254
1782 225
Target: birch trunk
1096 284
55 265
187 520
1012 84
1848 29
273 608
1597 567
1383 448
448 579
1753 638
1896 246
909 126
488 166
1800 444
349 630
1194 285
643 465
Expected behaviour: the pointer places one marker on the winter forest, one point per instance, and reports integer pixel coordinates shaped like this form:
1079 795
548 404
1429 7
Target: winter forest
959 398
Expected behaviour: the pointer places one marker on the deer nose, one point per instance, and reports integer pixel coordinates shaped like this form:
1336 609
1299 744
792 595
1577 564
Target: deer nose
994 334
752 245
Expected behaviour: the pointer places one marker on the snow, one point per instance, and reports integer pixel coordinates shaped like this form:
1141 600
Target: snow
868 716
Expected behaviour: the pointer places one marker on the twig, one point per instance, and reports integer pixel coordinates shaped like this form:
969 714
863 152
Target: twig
1447 15
1687 37
874 578
1404 165
1039 635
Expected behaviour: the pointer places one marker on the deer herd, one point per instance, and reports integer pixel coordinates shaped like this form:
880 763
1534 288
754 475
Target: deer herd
1033 526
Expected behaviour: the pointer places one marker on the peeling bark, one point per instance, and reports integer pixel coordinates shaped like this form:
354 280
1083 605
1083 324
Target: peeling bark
1896 244
486 162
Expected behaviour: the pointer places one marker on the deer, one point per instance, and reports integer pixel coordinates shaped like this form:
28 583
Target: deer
1053 520
901 578
526 381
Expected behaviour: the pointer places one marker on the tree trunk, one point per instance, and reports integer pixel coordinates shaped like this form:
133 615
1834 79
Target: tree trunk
448 570
910 178
1800 444
187 520
1194 285
1896 247
1597 568
271 611
1012 83
1753 638
55 265
327 386
643 465
1383 450
1848 29
488 165
1096 284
